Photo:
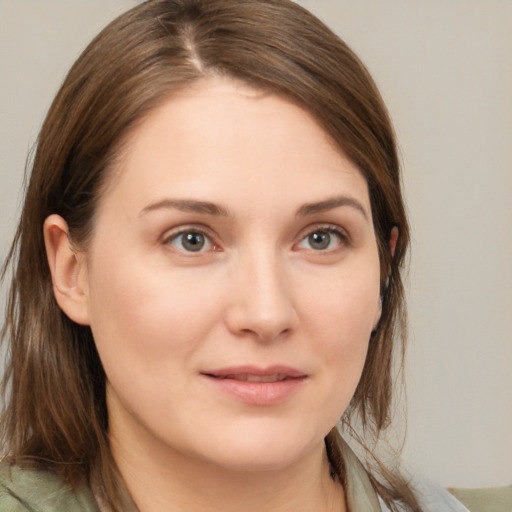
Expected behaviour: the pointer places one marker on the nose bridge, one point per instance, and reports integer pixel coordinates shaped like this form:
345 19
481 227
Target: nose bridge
263 302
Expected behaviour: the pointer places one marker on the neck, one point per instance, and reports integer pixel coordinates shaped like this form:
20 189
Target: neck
173 482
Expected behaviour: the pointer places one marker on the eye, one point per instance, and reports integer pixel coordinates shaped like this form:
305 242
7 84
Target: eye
322 239
190 241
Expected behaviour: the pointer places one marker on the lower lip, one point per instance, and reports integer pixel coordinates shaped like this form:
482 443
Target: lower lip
259 393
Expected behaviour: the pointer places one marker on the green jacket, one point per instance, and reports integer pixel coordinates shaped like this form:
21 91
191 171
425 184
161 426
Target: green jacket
24 490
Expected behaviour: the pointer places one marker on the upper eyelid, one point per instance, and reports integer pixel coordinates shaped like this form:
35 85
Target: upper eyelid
169 238
192 228
172 234
327 226
334 229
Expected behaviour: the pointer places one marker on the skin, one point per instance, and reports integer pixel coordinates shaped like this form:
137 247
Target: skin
261 290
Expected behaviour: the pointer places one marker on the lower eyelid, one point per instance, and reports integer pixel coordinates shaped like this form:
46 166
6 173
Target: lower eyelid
343 238
169 238
211 245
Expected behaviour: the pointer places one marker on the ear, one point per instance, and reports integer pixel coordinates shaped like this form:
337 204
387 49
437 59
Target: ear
68 269
393 239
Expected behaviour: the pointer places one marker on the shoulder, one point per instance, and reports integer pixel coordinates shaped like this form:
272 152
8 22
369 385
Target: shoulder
27 490
491 499
435 498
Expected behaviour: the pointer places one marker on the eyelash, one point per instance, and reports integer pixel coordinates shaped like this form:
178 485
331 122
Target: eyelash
192 230
327 229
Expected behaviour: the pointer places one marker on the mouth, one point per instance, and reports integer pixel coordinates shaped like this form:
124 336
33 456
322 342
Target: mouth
276 373
248 377
257 386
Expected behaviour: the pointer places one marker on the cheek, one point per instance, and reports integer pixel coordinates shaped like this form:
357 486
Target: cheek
346 306
147 324
343 316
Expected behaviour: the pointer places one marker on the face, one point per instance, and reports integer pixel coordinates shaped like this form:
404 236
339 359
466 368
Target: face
232 280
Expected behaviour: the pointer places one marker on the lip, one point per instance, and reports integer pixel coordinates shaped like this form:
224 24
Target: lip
284 382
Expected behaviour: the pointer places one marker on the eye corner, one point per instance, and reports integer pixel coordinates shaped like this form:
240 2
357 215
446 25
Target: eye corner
322 239
190 241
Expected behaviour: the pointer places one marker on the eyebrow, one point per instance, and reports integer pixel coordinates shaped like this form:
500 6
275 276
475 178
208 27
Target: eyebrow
329 204
187 205
208 208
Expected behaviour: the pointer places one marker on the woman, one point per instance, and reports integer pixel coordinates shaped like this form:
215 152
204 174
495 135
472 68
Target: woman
207 273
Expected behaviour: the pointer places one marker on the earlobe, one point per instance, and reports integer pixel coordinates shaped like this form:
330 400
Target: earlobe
68 270
378 315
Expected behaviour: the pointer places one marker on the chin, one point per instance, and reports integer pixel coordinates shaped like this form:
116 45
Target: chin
272 451
249 462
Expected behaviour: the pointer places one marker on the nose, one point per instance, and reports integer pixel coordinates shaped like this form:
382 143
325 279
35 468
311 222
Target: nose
262 299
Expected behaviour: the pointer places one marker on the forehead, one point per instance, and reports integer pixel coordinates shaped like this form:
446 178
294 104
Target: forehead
220 136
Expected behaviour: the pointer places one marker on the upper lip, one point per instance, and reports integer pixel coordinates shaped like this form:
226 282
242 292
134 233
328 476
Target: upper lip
233 371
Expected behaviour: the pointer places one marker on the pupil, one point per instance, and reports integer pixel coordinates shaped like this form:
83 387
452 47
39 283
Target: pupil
320 240
193 242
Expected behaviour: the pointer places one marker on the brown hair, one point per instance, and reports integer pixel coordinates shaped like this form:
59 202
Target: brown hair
56 412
